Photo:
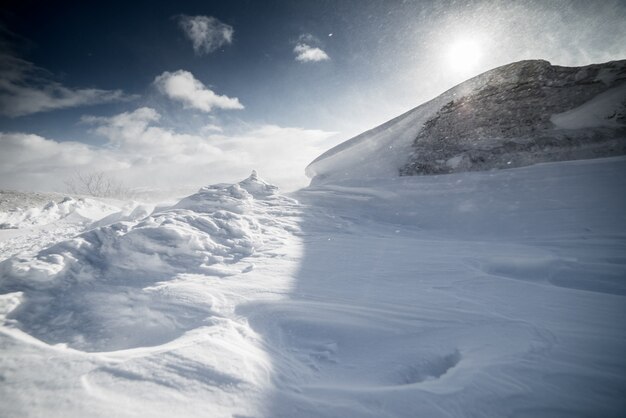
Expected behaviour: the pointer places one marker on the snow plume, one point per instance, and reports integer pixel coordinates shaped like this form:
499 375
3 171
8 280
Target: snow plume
26 89
306 51
206 33
183 87
141 152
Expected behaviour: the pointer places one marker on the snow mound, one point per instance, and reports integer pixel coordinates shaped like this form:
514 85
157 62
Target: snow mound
235 198
30 222
104 276
68 207
515 115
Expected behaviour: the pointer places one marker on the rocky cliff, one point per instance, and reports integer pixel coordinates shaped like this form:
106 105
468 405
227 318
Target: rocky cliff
518 114
517 118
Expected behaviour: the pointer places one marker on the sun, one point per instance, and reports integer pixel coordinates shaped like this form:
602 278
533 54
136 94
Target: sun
464 55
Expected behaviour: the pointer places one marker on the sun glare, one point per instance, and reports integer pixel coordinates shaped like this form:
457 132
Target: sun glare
464 55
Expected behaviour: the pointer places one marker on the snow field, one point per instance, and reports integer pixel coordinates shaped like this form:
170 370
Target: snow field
483 294
467 295
140 314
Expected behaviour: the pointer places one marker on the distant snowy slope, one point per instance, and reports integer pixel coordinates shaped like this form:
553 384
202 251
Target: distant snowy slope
514 115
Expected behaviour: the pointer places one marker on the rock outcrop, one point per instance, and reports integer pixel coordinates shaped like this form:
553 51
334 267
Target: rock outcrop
519 114
518 117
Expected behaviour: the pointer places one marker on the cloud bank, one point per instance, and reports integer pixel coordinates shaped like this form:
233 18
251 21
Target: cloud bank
32 162
26 89
206 33
183 87
142 153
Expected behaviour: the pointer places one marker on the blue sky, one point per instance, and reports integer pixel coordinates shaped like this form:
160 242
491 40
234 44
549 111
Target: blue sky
316 71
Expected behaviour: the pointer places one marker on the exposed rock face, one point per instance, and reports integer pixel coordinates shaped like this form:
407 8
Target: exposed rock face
513 119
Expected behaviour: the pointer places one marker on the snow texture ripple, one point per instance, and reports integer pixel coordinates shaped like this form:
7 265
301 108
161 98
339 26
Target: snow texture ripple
473 294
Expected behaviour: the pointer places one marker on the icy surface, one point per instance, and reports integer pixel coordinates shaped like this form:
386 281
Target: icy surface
490 294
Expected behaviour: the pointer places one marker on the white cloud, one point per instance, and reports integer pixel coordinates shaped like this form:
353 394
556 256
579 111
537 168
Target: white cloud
125 129
141 153
307 53
183 87
308 49
134 133
27 89
211 128
206 32
30 162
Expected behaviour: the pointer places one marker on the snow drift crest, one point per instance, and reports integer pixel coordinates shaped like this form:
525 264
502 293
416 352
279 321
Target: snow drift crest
111 271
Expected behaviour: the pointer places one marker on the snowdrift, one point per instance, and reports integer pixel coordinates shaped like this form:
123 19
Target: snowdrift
30 222
81 209
205 233
515 115
479 294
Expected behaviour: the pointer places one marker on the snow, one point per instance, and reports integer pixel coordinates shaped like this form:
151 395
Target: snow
30 222
50 212
484 294
388 144
602 111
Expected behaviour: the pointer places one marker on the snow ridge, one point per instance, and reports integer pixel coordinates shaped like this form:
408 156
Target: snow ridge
82 208
71 285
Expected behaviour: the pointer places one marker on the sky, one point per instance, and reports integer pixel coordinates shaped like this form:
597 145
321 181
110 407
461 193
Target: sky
161 94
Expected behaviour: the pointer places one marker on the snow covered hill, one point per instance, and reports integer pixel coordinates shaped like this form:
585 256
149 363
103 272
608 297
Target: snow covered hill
511 116
479 294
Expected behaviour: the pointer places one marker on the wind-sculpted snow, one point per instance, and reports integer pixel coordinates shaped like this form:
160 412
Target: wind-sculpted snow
81 208
76 290
515 115
32 221
490 294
